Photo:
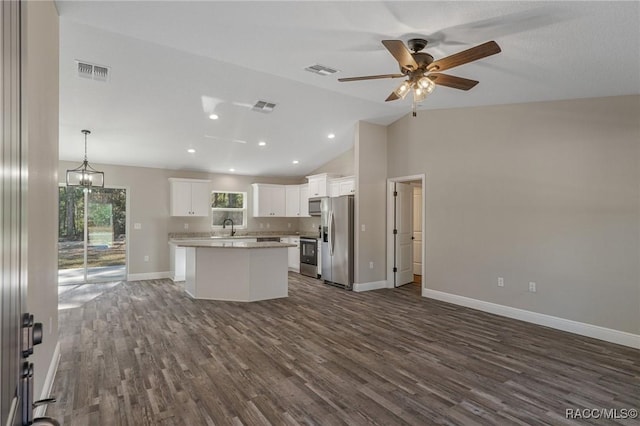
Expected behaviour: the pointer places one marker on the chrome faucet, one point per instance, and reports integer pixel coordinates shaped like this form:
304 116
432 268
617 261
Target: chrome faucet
224 225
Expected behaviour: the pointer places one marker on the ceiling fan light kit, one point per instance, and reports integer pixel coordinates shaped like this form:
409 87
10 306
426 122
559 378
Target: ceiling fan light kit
422 71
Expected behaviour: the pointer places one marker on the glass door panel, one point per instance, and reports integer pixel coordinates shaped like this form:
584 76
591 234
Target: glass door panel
70 235
106 236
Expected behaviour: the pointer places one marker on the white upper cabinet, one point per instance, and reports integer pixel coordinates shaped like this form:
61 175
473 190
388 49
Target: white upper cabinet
343 186
292 199
189 197
319 185
269 200
304 200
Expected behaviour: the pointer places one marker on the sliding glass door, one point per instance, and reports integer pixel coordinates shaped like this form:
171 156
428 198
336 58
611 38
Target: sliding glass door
91 235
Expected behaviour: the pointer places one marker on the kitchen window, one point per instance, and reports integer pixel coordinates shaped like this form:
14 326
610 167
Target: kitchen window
228 205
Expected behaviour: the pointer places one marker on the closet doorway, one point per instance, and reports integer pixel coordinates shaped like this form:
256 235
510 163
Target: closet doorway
92 235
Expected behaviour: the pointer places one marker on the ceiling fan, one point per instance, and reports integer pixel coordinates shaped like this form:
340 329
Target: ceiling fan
423 73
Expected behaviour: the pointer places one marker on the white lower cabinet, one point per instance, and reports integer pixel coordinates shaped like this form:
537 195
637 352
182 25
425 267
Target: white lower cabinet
293 252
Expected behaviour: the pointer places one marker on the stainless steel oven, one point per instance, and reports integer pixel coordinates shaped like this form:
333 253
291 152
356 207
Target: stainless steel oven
309 257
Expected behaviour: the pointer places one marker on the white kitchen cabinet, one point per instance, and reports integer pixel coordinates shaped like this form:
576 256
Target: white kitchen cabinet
269 200
304 200
292 199
343 186
294 254
189 197
319 184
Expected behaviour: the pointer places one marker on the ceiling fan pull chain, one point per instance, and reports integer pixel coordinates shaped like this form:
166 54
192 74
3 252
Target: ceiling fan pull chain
413 105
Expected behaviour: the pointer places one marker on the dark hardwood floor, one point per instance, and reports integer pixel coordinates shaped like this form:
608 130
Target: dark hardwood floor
143 353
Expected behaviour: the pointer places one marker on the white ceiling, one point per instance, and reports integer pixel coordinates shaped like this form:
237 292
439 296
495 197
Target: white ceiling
174 62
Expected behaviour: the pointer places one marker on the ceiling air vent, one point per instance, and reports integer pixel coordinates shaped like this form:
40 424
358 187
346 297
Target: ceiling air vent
92 71
321 69
263 107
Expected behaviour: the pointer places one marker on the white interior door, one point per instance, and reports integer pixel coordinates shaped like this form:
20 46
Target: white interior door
417 230
404 232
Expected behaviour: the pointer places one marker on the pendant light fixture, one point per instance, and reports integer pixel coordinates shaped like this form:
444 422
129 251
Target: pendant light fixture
84 175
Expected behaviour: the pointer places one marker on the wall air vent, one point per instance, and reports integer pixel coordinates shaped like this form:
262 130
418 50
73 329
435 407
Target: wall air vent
263 107
92 71
321 69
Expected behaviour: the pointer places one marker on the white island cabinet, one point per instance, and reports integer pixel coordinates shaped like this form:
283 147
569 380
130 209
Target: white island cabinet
236 271
189 197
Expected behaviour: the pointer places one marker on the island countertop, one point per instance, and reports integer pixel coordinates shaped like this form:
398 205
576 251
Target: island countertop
232 244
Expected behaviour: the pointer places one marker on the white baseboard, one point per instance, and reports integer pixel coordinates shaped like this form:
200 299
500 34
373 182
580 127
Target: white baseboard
48 381
374 285
148 276
581 328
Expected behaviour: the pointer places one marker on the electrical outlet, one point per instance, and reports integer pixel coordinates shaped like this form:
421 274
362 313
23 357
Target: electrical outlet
268 226
146 258
370 265
137 226
288 225
261 225
532 287
500 282
186 226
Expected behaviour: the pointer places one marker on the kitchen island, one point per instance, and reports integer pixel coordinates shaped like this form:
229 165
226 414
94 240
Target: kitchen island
238 271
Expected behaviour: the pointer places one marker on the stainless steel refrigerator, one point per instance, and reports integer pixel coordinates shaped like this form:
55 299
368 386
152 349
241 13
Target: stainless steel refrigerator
337 241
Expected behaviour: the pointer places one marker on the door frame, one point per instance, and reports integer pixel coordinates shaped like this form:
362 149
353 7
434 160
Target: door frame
389 228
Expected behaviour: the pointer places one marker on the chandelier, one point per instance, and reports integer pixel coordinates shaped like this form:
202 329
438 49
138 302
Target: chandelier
84 175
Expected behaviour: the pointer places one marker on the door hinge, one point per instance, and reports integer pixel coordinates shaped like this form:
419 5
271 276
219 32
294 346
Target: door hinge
395 193
395 232
395 269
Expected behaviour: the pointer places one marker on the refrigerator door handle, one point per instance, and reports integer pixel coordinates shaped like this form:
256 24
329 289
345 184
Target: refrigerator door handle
332 231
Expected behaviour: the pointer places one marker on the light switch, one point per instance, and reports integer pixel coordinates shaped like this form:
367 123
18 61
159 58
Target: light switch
137 226
362 227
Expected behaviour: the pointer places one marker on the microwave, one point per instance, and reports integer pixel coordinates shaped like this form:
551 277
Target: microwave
315 206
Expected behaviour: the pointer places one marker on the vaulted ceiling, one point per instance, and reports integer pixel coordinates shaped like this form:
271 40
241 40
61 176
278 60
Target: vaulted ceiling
173 63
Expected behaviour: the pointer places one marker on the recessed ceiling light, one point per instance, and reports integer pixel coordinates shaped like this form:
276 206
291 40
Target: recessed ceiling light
295 161
232 170
262 143
191 151
331 135
213 116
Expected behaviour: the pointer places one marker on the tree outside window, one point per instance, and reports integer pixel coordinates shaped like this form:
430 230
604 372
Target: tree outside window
228 205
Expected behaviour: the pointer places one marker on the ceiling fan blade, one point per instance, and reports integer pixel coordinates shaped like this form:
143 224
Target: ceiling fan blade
481 51
401 53
452 81
392 97
371 77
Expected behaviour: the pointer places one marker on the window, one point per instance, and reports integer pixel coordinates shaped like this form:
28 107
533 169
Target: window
228 205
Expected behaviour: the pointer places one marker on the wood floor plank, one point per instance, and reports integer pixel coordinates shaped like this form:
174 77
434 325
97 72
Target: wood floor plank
144 353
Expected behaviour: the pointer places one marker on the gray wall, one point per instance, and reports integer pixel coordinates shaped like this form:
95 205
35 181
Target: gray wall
371 171
40 109
546 192
148 191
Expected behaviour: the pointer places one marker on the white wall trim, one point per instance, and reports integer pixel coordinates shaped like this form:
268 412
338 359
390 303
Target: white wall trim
583 329
48 381
374 285
149 276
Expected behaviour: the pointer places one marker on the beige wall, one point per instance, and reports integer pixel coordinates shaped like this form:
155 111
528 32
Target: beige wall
343 164
371 171
148 192
546 192
40 115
